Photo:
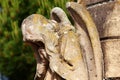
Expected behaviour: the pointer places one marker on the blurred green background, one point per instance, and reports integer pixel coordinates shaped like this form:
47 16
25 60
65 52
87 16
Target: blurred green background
16 58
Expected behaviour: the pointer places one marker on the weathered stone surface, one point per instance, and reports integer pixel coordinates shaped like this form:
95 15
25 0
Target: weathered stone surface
112 24
111 42
111 50
99 14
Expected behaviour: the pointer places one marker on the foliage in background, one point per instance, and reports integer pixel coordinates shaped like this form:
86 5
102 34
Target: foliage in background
16 58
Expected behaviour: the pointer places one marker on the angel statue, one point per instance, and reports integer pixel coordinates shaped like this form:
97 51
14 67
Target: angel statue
64 51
